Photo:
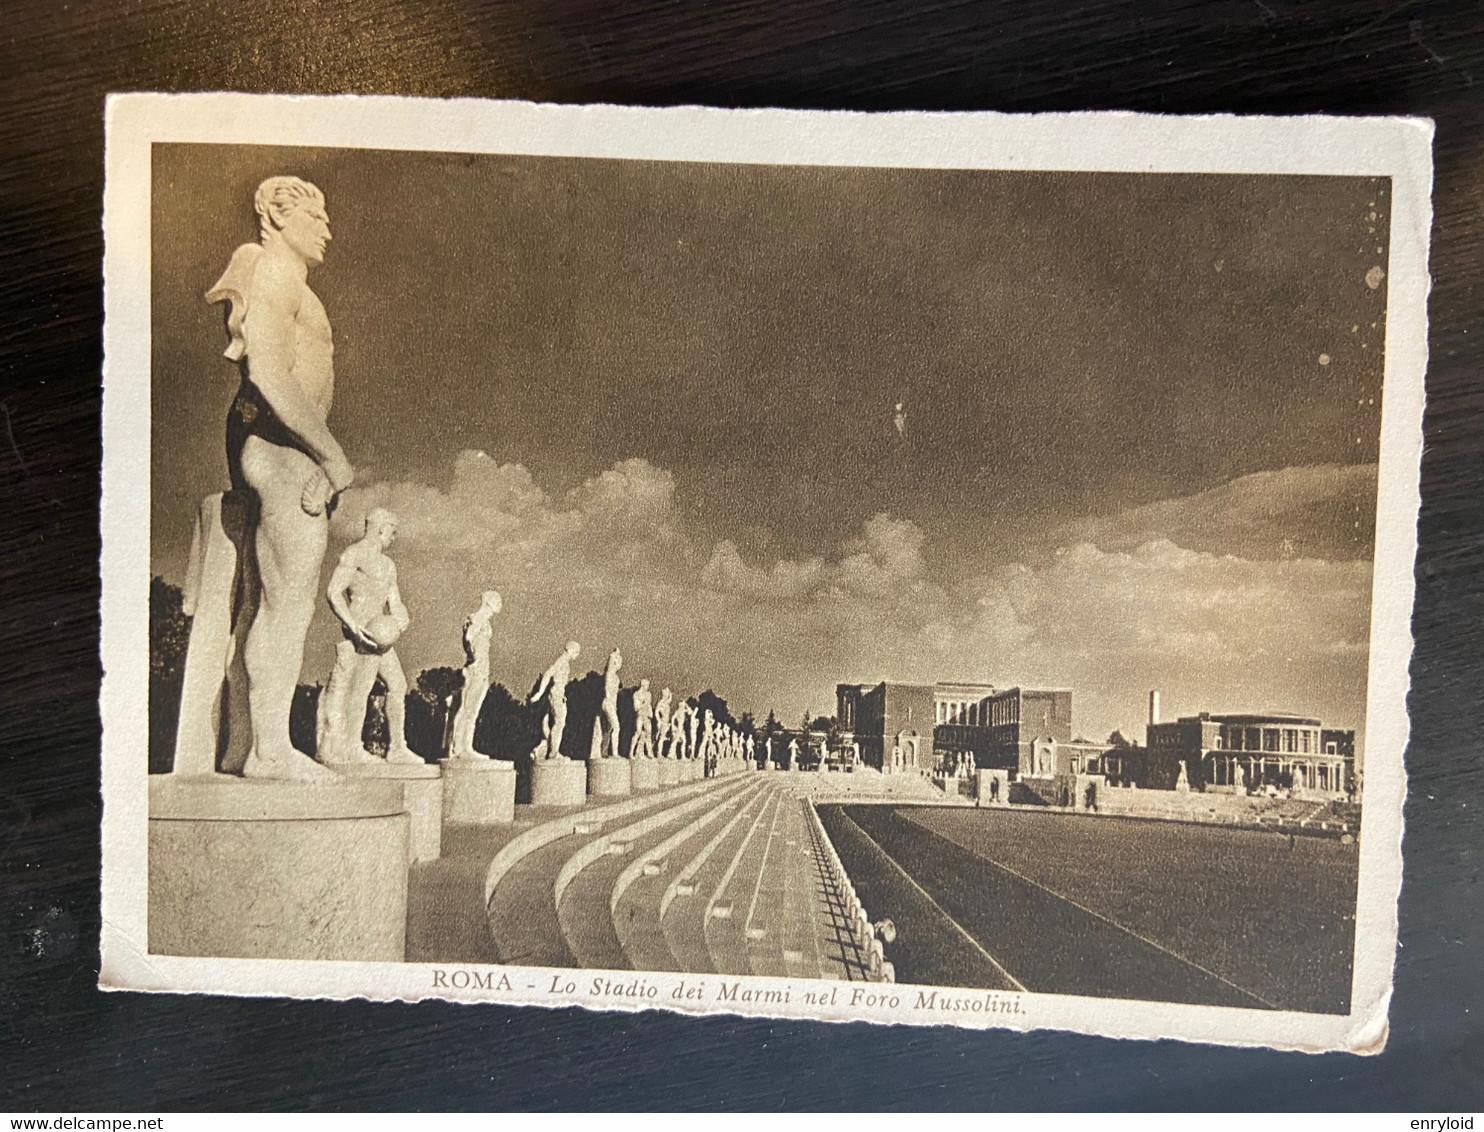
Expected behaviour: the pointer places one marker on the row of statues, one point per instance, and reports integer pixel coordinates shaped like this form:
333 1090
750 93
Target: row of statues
364 595
288 470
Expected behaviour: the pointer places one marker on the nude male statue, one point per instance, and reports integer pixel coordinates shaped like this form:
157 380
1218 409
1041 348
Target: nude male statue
662 732
678 747
477 633
642 745
693 726
610 704
363 593
279 448
554 687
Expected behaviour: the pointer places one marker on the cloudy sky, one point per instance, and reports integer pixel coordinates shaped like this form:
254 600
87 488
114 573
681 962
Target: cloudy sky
652 404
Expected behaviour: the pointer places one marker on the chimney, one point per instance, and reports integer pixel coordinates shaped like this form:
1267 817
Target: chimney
1154 706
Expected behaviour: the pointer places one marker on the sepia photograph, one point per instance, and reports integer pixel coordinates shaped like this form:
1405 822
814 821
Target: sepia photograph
944 569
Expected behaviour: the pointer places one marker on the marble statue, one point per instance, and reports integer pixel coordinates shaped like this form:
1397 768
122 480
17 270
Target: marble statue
751 749
708 735
363 593
610 704
678 724
1239 777
477 633
1182 781
662 727
642 745
693 727
553 686
768 747
793 754
280 450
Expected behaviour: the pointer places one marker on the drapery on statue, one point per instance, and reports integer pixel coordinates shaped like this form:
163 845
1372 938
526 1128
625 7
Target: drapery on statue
478 629
363 593
610 704
281 452
553 686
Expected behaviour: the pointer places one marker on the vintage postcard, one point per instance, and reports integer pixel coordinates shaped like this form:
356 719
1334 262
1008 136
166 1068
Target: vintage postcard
912 568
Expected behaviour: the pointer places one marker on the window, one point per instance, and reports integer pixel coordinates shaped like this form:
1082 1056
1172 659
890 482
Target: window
1269 738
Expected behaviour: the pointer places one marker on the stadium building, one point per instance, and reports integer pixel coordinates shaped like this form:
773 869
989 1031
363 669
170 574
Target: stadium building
922 727
1233 753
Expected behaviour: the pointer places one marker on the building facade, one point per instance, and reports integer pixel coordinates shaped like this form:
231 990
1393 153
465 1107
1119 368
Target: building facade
913 727
925 727
1250 752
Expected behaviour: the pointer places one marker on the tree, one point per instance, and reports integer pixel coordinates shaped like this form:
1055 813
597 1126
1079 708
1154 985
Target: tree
169 634
822 723
584 704
1117 740
718 706
507 728
429 716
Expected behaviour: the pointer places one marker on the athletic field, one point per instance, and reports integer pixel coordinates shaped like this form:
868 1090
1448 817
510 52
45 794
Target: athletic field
1105 906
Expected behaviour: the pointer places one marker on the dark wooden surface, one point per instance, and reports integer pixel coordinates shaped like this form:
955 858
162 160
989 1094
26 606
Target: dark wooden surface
63 1045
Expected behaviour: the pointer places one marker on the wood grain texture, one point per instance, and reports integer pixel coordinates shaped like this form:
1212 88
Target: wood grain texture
63 1045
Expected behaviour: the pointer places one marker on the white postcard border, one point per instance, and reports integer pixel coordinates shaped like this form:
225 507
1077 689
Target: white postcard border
1110 142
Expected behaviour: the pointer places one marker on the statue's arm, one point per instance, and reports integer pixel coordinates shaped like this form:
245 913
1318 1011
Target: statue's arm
338 591
394 603
546 678
270 329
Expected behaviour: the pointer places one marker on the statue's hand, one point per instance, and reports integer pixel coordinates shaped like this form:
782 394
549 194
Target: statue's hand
363 638
316 494
339 473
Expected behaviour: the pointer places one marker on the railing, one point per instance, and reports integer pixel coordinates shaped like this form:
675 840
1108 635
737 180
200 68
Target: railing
863 932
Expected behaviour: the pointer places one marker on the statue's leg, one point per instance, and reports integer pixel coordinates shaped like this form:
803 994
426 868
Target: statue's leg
334 739
364 669
397 750
558 725
611 718
476 688
289 547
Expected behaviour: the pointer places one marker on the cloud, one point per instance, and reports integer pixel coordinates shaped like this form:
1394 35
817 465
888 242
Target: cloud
1142 601
1323 510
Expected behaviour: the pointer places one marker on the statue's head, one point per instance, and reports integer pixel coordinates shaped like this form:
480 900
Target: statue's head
644 685
294 211
492 601
615 660
381 525
572 649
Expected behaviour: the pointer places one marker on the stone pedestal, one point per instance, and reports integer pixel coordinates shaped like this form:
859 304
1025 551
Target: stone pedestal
770 765
422 797
694 769
558 782
670 771
478 791
644 774
608 778
257 869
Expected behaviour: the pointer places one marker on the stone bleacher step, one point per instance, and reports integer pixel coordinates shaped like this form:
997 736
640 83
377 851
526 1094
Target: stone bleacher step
757 932
654 868
722 910
685 888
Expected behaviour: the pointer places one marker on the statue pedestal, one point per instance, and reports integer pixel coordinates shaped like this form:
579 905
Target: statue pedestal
644 774
422 797
558 782
670 771
694 769
259 869
770 765
478 791
608 778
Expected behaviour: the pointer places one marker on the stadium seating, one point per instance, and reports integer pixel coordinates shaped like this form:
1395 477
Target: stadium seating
730 875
